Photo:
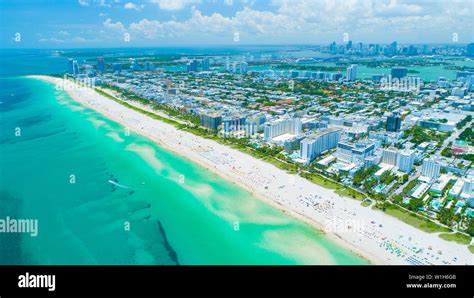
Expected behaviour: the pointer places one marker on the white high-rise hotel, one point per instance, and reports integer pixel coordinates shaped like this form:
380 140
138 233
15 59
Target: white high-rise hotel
316 144
282 126
351 73
431 168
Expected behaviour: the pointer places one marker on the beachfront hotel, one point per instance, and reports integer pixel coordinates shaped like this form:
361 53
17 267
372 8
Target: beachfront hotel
318 143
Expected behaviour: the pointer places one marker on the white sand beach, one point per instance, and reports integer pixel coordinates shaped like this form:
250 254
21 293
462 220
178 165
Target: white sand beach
372 234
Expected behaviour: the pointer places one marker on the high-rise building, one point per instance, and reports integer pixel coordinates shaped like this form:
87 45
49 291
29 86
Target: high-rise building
227 64
399 72
349 45
333 48
233 123
117 67
205 64
390 156
318 143
73 67
211 120
101 64
243 67
149 66
351 73
393 48
412 50
135 65
192 65
430 168
394 122
406 158
282 126
355 153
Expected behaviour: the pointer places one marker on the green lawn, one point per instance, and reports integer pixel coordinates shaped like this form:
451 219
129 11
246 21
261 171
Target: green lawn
456 237
320 180
414 220
329 184
350 193
471 248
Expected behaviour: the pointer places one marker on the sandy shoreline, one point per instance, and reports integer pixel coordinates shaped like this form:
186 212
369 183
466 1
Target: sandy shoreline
368 233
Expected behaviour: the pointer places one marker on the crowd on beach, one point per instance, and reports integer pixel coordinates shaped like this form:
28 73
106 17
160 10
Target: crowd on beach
371 233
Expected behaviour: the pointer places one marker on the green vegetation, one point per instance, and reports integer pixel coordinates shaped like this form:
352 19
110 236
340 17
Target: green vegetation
418 135
339 189
467 135
456 237
471 248
366 203
414 220
464 121
363 174
350 193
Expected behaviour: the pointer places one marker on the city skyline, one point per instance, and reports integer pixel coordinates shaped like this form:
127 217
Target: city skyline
162 23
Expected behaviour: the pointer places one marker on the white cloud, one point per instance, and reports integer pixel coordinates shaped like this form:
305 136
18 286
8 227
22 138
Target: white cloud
229 2
83 2
310 21
131 5
174 4
63 33
118 26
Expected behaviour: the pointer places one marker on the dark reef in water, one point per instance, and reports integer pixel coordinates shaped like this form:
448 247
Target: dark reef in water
10 243
172 253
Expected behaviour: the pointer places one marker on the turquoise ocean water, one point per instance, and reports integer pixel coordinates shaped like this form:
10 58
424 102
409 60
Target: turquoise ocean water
153 216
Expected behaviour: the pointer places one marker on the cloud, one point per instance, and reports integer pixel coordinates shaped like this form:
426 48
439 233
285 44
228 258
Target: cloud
309 21
229 2
83 2
118 26
63 33
130 5
174 4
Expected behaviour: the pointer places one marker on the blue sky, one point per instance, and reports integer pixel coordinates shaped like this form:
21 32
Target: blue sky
123 23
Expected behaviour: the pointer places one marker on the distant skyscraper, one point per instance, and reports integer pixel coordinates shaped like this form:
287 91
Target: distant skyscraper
227 64
394 122
393 48
101 64
333 48
205 64
135 65
117 67
412 50
243 67
73 67
192 65
149 66
430 168
349 45
351 73
399 72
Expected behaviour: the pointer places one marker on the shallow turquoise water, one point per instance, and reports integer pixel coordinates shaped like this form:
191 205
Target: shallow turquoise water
158 217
